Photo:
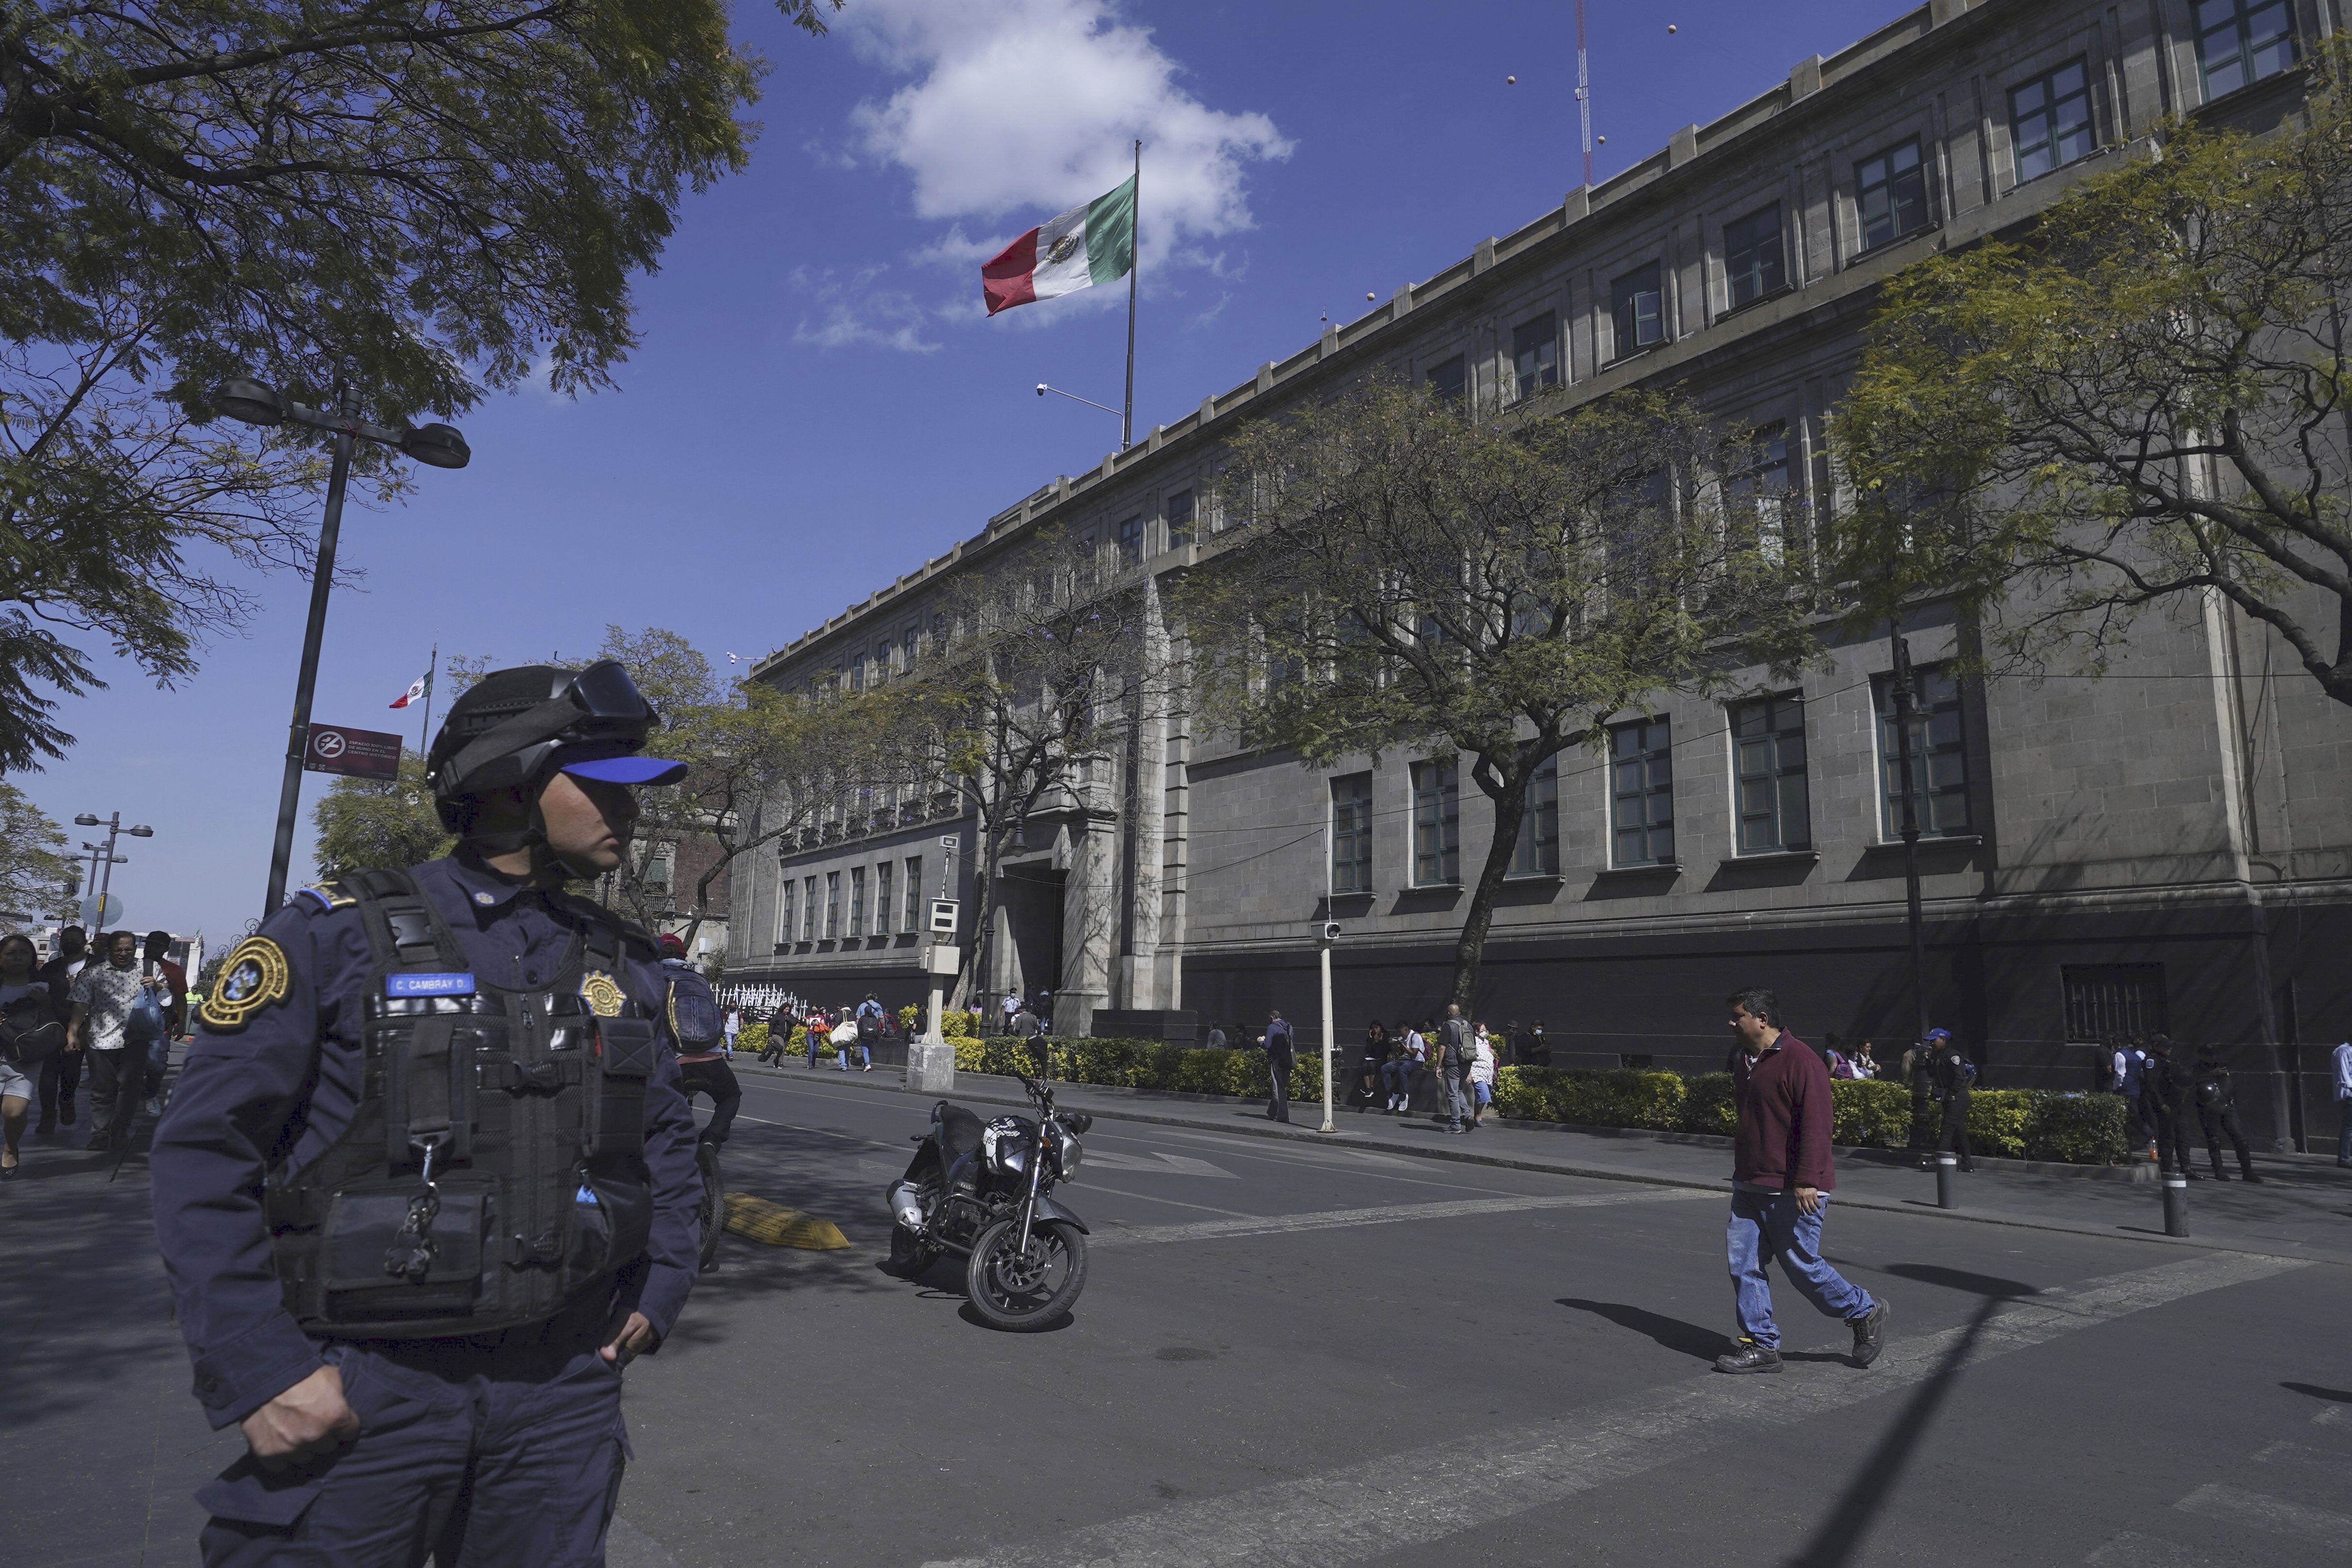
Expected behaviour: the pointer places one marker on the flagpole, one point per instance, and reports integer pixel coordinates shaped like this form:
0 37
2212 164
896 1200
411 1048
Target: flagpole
425 736
1135 265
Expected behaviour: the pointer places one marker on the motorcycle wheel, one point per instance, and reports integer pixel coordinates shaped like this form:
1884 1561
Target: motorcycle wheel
713 1215
1024 1291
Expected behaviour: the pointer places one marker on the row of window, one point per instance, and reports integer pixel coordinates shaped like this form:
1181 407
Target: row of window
813 909
2049 124
1771 798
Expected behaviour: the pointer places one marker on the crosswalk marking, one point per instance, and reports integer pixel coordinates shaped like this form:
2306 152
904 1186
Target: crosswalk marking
2320 1461
2253 1511
2131 1550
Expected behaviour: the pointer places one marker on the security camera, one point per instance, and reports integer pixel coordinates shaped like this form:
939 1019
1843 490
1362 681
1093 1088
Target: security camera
1041 389
1326 932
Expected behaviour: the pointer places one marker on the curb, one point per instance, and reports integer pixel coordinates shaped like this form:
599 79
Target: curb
993 1092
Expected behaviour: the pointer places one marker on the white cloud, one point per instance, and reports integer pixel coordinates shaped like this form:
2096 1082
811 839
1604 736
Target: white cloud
1022 108
853 312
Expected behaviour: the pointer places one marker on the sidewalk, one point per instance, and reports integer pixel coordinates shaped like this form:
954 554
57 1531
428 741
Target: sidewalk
2303 1209
102 1442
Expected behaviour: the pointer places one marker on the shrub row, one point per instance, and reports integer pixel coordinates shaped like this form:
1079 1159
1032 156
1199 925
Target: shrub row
2011 1123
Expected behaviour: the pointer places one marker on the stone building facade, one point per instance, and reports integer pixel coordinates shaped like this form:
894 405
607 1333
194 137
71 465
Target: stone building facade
2169 846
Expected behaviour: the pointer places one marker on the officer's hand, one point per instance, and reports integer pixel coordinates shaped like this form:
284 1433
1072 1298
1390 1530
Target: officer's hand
308 1418
637 1337
1808 1199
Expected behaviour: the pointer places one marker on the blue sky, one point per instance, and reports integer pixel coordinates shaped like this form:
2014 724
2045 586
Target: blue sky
818 403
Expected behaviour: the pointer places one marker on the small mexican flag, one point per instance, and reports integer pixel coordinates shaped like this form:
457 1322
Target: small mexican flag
1085 246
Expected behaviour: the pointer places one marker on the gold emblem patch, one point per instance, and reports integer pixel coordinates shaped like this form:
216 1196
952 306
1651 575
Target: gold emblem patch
604 993
254 977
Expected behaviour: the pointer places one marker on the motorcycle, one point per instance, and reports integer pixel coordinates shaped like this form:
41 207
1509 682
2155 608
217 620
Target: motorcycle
983 1190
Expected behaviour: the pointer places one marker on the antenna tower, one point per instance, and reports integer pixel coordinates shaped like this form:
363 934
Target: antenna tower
1584 93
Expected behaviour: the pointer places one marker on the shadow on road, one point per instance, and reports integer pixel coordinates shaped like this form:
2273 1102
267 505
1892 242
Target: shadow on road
2340 1397
1961 1279
1669 1333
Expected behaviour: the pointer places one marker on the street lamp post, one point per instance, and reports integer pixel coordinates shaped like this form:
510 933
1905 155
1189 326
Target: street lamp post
107 858
439 446
1905 698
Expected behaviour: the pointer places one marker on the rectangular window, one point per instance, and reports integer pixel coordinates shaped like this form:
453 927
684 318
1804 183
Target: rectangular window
808 909
1436 825
1892 191
1642 792
1752 256
857 673
2105 999
882 891
1768 742
914 891
1758 494
907 647
1449 379
1351 833
1534 355
786 888
1939 758
1638 307
856 901
1131 540
1179 520
2242 41
1537 851
832 905
656 875
2049 120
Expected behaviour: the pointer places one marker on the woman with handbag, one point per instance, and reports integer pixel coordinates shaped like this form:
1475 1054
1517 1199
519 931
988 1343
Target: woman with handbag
29 1032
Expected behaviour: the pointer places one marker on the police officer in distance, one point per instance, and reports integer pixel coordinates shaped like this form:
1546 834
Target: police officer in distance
699 1029
428 1181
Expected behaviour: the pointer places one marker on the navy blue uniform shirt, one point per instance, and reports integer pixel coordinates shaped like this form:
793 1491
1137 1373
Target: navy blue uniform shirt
283 1088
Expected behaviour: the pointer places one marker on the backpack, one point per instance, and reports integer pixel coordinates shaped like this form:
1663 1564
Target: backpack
29 1032
694 1017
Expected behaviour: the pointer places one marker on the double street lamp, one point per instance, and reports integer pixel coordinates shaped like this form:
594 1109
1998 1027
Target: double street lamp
437 446
104 854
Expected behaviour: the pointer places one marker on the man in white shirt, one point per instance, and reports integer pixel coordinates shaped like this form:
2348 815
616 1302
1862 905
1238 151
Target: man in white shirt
2344 1103
103 994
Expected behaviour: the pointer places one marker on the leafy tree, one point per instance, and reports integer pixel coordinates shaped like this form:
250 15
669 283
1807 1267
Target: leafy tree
427 200
1047 669
1408 577
2146 401
36 874
365 824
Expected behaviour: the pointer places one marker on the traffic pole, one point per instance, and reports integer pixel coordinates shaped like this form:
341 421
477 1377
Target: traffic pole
2176 1206
1328 1125
1947 1181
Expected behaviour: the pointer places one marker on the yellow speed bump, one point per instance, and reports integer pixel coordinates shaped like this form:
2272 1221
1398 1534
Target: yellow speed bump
773 1225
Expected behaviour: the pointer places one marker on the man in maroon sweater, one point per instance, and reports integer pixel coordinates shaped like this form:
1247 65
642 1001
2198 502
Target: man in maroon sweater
1780 1179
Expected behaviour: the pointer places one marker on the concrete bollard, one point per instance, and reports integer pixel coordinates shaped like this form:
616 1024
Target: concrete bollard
2176 1206
930 1068
1947 1181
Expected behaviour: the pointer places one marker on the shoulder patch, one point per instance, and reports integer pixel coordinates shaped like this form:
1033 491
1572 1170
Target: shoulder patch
328 896
255 976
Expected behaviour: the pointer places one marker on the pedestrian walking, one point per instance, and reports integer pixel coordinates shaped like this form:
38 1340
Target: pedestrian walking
2167 1092
60 1073
1781 1177
1481 1076
29 1035
415 1288
779 1036
103 995
1954 1076
1011 1004
2344 1104
170 984
2216 1099
699 1033
1281 1057
2138 1069
1374 1055
818 1028
1449 1059
846 1037
734 1025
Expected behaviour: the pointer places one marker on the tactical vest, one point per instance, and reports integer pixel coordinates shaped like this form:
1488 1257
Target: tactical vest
494 1169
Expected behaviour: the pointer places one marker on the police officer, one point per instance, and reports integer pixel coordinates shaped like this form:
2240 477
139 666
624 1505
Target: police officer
2216 1113
2165 1091
427 1182
696 1022
1953 1077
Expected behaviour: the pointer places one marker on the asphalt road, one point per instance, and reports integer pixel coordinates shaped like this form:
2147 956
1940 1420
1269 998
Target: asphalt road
1292 1356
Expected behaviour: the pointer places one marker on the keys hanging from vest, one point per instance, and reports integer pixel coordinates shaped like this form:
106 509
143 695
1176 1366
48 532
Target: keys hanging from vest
410 1255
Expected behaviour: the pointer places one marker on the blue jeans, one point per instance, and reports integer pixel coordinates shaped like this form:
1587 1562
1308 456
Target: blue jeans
1767 1225
863 1056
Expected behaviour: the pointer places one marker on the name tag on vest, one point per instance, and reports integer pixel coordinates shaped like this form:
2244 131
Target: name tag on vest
428 985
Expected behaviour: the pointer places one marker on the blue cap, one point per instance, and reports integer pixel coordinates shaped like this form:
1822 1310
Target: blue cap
1939 1034
626 768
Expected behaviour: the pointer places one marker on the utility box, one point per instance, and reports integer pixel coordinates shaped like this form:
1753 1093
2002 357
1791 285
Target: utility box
944 914
942 958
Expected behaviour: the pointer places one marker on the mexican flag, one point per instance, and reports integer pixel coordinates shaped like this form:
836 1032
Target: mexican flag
1085 246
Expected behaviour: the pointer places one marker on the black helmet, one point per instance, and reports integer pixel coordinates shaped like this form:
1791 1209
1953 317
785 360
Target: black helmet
515 727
